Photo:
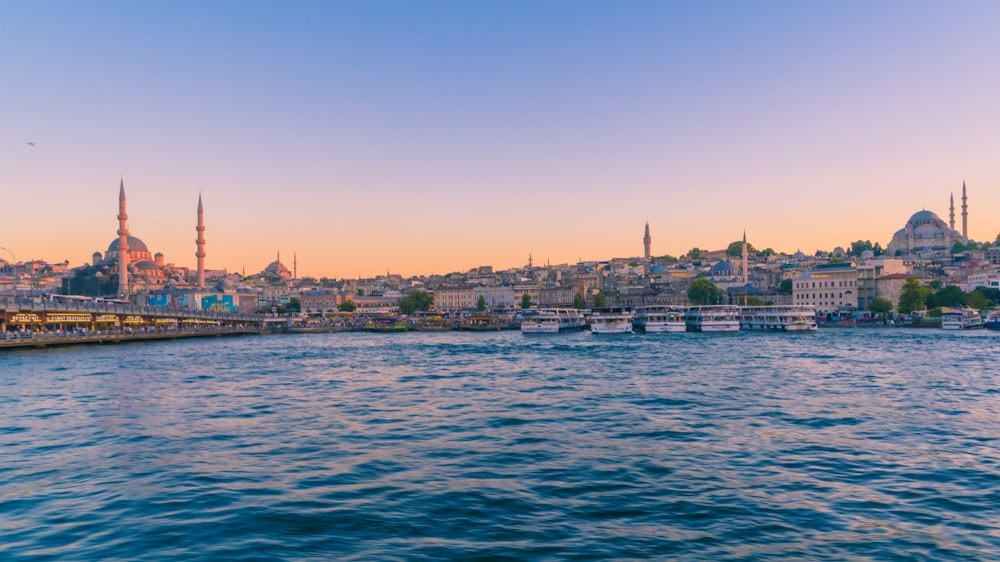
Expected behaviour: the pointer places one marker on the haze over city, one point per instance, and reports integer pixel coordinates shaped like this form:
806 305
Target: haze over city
428 137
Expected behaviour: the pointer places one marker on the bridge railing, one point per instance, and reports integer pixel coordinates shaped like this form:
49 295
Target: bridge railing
43 304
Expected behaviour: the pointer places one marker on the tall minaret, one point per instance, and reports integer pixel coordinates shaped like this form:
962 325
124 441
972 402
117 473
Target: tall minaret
295 266
122 243
647 240
965 216
200 254
746 261
951 213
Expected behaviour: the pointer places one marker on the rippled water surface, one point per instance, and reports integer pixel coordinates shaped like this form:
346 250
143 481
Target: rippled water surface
842 444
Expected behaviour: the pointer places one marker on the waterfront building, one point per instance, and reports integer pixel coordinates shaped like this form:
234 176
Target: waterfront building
320 302
829 287
498 296
890 287
454 297
871 272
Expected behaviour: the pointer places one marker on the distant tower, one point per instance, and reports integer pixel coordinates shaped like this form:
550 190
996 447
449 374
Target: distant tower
122 243
295 266
200 254
647 241
951 213
965 216
530 262
746 261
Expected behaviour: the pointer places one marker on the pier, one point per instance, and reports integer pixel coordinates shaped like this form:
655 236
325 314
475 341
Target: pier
52 321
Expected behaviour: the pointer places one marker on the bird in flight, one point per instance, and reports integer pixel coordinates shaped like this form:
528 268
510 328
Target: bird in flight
31 143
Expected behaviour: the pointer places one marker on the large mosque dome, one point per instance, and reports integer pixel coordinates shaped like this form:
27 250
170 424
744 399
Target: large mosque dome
134 245
925 233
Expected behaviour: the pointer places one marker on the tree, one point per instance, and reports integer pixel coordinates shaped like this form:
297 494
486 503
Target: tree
786 287
670 259
975 299
950 296
766 252
754 301
695 253
347 306
703 291
578 301
417 300
735 249
877 249
525 301
599 300
880 305
481 303
913 297
858 247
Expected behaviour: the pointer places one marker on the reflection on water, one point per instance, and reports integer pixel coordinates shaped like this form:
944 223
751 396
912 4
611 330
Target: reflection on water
870 444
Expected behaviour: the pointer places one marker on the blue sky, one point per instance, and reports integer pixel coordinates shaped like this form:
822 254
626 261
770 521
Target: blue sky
420 136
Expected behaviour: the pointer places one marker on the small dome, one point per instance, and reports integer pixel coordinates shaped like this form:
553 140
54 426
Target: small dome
867 255
134 245
723 269
278 268
146 265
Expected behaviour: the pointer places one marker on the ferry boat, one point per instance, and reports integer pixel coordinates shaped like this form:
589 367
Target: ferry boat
961 319
713 318
387 324
611 321
553 321
659 319
993 320
482 323
779 318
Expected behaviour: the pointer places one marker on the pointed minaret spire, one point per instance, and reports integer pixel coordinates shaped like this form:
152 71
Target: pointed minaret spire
295 265
965 215
123 255
647 241
951 213
200 254
746 261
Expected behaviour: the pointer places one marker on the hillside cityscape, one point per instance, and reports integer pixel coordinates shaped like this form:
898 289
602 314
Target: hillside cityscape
942 266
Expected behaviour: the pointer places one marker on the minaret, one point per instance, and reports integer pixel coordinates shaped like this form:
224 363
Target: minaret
965 215
647 241
295 266
200 254
746 261
951 213
122 243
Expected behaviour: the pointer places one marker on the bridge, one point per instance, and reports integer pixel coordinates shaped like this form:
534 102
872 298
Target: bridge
59 320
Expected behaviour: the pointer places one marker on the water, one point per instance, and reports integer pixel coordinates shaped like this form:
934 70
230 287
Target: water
841 444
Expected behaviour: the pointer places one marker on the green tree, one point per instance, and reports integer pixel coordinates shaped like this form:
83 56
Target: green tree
958 247
974 299
417 300
880 305
695 253
990 294
703 291
950 296
670 259
578 301
766 252
913 297
858 247
754 301
481 303
525 301
599 300
786 287
347 306
735 249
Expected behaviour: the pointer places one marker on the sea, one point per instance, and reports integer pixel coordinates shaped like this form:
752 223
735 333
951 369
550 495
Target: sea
842 444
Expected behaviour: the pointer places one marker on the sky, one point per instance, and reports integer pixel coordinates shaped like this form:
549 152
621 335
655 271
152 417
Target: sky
437 136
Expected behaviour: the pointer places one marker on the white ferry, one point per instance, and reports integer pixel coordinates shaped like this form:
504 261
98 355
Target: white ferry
713 318
961 319
553 321
779 318
611 321
659 319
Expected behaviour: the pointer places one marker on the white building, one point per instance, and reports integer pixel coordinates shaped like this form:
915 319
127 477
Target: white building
829 287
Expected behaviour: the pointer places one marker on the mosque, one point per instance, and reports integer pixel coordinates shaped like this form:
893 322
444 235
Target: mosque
130 260
926 235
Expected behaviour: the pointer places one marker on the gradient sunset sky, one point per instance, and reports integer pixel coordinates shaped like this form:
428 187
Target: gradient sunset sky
426 137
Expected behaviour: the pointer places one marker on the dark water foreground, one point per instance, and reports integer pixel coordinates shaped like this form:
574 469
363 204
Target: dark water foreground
842 444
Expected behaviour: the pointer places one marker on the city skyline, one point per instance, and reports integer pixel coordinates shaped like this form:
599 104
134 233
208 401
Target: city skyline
438 137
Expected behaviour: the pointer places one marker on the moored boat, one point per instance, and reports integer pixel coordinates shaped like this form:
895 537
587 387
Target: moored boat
611 321
659 319
387 324
961 319
482 323
553 321
779 318
993 320
713 318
